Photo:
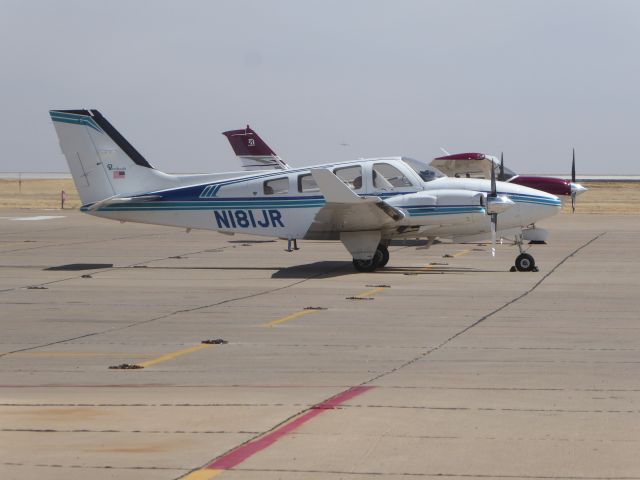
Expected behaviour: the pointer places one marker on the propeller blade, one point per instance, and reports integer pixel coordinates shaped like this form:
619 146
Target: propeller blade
494 192
494 228
573 202
573 167
501 175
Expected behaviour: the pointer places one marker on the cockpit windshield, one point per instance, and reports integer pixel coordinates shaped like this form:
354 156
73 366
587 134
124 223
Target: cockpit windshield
426 172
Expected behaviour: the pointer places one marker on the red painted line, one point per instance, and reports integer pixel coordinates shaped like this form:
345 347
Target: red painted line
240 454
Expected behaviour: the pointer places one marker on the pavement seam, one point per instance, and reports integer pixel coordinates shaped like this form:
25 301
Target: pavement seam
440 475
336 472
126 237
178 312
102 270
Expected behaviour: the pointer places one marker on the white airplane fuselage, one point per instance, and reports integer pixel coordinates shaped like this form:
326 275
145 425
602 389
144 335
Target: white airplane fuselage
241 203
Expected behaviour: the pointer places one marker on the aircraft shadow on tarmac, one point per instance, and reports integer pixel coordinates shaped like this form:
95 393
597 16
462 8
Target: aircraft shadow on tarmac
328 269
72 267
325 269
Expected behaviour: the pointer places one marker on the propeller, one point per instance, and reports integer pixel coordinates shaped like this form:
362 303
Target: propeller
494 216
501 174
574 192
495 205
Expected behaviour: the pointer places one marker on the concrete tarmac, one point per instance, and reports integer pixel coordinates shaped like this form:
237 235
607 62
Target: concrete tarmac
443 364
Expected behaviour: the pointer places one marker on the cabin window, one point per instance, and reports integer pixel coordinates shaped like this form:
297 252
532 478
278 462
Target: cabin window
352 176
386 176
426 172
277 186
306 183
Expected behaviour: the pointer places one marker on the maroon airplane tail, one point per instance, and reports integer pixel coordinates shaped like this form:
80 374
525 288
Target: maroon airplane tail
253 152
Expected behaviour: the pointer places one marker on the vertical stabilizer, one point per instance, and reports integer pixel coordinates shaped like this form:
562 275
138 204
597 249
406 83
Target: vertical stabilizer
102 162
253 152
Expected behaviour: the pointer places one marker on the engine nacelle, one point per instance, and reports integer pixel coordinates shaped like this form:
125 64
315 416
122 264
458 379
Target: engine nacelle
498 204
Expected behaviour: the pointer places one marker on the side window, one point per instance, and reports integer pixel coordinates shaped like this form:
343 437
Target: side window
352 176
306 183
277 186
385 174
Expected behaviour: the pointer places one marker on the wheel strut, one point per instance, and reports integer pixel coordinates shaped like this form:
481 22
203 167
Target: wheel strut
291 241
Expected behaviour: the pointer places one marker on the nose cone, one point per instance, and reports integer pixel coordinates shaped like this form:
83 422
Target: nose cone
577 189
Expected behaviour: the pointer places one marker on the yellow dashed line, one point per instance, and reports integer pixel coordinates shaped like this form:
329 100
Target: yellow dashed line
203 474
302 313
171 356
463 252
371 292
293 316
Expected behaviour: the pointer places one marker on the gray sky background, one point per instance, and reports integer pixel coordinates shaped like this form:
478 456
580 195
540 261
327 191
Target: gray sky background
530 78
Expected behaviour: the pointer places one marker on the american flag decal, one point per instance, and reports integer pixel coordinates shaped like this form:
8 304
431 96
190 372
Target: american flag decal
118 174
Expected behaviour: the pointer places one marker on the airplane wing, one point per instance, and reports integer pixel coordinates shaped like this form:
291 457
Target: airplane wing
346 211
253 152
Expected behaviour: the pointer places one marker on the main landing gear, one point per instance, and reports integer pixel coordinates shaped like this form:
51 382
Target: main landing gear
524 261
380 259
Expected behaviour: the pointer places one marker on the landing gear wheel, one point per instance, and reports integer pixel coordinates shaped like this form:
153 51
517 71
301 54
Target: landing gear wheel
369 265
525 263
385 255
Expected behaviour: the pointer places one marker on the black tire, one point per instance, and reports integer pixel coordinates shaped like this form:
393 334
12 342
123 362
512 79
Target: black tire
368 265
385 255
525 263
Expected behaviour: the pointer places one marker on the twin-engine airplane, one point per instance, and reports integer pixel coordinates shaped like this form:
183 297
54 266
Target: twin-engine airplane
363 203
479 165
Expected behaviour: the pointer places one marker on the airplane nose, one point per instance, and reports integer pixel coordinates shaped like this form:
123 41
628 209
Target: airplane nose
577 189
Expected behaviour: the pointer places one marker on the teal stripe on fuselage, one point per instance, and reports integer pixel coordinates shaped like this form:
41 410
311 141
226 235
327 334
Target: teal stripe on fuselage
182 207
533 199
422 212
146 206
212 206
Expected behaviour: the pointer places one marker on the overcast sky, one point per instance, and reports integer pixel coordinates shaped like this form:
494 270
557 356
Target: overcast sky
530 78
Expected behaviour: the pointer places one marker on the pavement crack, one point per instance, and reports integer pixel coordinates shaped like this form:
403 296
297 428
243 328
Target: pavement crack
386 474
91 467
163 432
486 316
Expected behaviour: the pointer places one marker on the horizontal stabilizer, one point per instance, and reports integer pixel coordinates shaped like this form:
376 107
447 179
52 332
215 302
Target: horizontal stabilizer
120 200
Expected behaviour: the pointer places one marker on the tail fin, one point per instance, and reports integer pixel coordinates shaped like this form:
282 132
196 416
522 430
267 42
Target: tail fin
253 153
102 162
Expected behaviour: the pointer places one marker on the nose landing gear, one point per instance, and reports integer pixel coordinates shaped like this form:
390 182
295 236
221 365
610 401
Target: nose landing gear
524 261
